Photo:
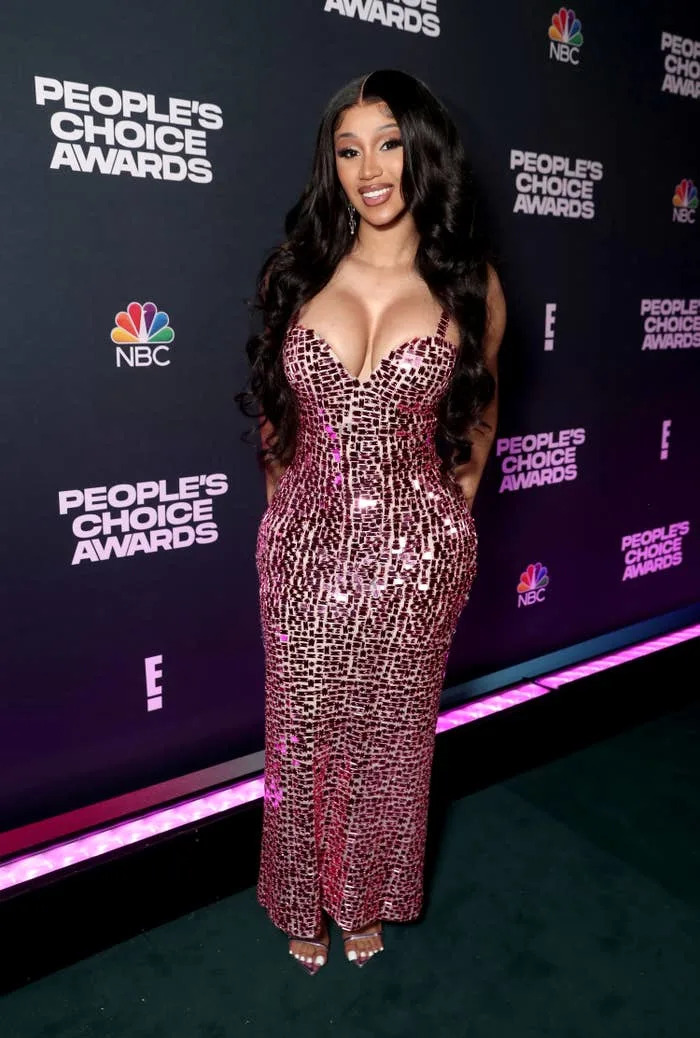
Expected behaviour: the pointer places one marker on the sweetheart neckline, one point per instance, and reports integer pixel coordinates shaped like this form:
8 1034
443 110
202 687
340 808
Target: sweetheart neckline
386 357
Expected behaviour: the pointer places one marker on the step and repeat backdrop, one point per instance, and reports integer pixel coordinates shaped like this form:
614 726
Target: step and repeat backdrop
149 157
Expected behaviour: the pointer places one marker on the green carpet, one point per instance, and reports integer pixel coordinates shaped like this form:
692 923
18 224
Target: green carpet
563 903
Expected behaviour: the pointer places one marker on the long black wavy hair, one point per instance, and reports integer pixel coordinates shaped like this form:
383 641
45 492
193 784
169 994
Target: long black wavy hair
438 191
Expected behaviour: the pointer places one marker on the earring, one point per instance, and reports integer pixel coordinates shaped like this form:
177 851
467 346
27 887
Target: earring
351 218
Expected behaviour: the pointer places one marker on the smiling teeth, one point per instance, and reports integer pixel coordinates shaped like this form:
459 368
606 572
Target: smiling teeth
376 194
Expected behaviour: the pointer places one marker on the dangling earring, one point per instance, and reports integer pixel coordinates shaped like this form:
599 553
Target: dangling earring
351 219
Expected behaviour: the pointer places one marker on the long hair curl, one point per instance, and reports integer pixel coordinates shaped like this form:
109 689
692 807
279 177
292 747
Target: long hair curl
438 190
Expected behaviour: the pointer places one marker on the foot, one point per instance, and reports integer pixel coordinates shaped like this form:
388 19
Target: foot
362 944
312 954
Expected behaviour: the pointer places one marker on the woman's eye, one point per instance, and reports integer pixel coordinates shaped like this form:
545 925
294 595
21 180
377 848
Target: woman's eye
350 153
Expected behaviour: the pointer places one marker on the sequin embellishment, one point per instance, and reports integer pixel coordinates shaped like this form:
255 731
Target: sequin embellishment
366 556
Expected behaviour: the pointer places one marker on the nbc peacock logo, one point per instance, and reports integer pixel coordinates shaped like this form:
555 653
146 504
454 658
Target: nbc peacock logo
142 336
533 582
685 202
565 36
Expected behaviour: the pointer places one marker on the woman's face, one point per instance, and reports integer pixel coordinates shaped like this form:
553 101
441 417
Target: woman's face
369 161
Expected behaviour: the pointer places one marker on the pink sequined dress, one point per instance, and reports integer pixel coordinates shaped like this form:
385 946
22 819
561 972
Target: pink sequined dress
366 556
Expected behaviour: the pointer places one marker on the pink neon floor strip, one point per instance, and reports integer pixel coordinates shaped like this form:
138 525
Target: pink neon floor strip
614 659
122 834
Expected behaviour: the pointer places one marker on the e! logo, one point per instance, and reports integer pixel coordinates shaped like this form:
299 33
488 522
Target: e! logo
154 692
665 437
550 318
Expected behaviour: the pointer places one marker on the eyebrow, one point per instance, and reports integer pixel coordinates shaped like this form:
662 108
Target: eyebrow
387 126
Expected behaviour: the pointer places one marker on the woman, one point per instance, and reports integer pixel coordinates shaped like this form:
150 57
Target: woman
366 552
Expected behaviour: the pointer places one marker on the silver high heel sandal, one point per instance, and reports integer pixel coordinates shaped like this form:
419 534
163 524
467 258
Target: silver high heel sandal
312 967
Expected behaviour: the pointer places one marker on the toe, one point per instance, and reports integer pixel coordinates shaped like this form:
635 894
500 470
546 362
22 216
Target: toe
363 947
308 953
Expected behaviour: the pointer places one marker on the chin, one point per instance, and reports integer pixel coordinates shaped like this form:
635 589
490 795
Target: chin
383 219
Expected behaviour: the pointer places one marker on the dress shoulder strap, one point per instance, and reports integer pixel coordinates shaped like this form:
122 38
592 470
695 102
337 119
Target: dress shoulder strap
442 324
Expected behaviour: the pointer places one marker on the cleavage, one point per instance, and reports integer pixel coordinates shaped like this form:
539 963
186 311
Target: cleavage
373 356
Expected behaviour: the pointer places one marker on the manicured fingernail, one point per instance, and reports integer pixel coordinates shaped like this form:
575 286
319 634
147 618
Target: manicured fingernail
320 960
352 956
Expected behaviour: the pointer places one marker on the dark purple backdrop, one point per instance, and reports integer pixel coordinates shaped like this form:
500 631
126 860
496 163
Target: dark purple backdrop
78 247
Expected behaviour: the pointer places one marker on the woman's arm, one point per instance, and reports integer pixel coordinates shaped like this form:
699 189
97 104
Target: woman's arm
273 468
469 474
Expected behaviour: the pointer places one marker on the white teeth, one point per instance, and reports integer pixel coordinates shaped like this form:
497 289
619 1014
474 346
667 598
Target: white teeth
377 194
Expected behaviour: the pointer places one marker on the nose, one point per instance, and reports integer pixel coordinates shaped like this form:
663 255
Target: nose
371 166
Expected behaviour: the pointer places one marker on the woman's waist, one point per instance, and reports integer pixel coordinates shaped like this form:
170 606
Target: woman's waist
355 474
398 468
413 494
397 452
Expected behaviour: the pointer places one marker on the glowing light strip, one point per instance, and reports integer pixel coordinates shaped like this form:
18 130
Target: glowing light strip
492 705
162 820
614 659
